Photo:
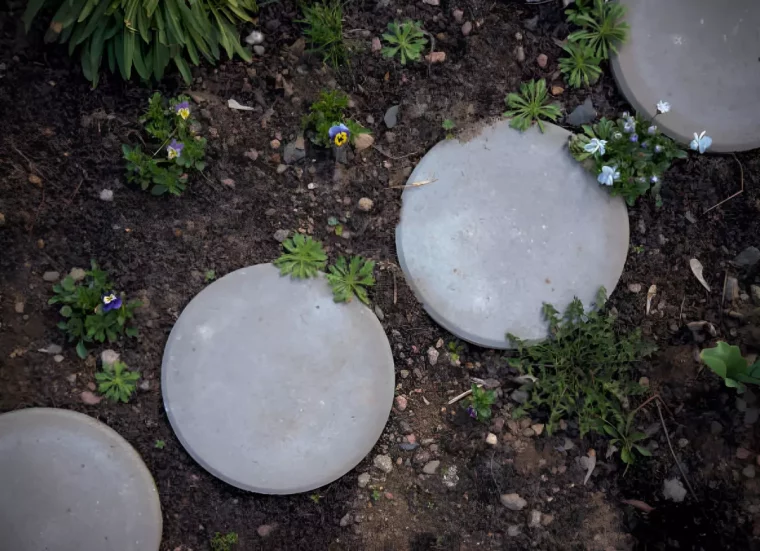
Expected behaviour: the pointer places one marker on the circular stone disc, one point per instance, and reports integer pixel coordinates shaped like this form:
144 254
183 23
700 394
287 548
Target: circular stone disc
70 483
702 57
511 221
272 386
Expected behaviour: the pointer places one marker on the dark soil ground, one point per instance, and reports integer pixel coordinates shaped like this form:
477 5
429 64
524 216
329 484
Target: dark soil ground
158 249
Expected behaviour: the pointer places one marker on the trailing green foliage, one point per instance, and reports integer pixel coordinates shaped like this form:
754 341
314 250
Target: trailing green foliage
303 257
83 309
480 402
116 383
638 151
145 35
530 105
727 361
583 370
349 279
601 25
406 39
163 171
625 438
324 31
224 542
329 110
582 67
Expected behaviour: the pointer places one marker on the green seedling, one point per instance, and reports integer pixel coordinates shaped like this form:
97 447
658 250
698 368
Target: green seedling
406 39
116 383
303 257
480 402
351 279
530 106
728 363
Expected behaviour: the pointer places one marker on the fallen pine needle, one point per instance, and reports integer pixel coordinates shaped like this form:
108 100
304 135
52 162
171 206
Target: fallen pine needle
638 504
415 184
459 397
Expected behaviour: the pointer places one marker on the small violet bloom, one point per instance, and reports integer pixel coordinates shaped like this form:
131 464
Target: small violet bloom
471 412
608 175
654 179
701 142
174 149
634 138
644 144
182 109
111 302
652 130
663 107
629 125
658 149
595 145
339 134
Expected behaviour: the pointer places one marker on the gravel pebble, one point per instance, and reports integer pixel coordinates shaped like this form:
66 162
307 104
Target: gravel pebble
281 235
366 204
431 467
432 354
513 502
51 276
363 480
542 60
384 463
401 403
106 195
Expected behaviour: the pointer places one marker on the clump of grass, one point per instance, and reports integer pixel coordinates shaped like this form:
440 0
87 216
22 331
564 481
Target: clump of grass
530 105
324 31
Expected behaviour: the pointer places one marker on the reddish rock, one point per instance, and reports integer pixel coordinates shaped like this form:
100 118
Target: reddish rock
542 60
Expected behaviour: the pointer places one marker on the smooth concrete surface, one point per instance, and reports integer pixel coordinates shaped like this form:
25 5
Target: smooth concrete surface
510 222
70 483
701 56
272 386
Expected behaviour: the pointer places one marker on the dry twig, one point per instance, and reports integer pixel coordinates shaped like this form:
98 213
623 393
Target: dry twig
741 175
678 463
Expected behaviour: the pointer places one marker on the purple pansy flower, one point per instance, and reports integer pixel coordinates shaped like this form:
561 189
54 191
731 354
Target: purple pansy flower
111 302
339 134
634 138
471 412
174 149
182 109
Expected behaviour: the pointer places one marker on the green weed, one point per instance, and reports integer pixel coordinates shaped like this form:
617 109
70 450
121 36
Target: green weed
729 364
324 31
530 105
349 279
303 257
116 383
224 542
602 25
582 67
406 39
480 402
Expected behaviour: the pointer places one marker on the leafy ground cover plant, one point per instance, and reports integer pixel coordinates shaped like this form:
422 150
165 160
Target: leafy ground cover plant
582 66
224 542
624 438
145 34
601 25
93 312
351 279
178 149
448 125
480 402
117 383
629 155
406 39
303 257
727 361
324 31
328 112
583 370
530 105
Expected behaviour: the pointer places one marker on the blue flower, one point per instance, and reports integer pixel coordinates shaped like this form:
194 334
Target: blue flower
608 175
658 149
471 412
634 138
339 134
652 130
654 179
595 145
174 149
182 109
110 302
629 125
644 144
701 142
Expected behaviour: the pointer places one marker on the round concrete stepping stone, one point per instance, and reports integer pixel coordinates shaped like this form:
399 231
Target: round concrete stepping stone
512 221
272 386
70 483
701 56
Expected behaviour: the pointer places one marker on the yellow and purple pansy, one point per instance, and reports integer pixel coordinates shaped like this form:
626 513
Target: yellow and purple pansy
174 149
339 134
111 302
182 109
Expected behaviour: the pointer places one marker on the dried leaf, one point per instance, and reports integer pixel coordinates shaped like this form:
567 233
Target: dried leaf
233 104
650 295
696 268
588 462
640 505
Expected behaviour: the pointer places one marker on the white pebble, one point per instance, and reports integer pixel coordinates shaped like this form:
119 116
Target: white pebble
106 195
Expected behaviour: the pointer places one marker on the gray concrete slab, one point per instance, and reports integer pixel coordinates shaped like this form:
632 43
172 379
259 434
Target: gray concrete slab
701 56
70 483
272 386
511 222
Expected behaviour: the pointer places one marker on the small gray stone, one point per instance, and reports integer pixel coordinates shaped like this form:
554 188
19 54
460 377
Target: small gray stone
513 502
346 520
291 154
19 307
77 274
431 467
281 235
634 288
281 168
58 358
409 446
755 293
748 257
466 28
716 428
450 477
749 471
750 416
259 50
145 385
534 520
432 355
673 490
520 54
379 313
642 227
519 396
51 349
106 195
363 480
583 114
404 373
513 530
391 116
683 442
383 462
109 357
51 276
532 23
256 37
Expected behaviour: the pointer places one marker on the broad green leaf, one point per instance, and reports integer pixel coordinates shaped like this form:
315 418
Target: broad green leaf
81 350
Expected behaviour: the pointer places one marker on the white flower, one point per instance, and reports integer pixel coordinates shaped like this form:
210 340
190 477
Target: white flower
608 175
701 142
595 145
629 125
663 107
